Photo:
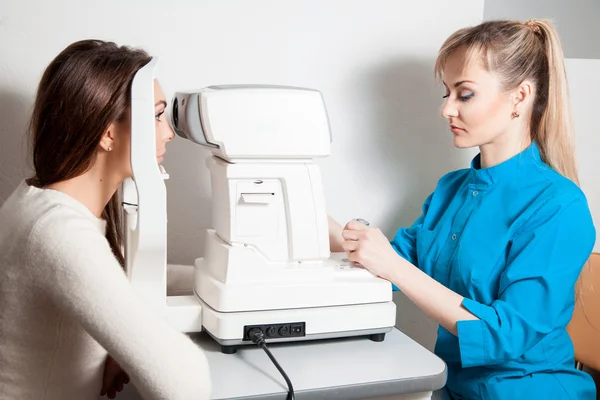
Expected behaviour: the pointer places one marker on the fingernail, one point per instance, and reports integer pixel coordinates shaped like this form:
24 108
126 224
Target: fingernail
362 221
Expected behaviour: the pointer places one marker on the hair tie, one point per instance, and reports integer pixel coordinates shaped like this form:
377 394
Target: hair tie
533 26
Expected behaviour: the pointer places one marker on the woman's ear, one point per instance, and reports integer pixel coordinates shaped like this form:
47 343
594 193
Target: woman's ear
523 96
107 142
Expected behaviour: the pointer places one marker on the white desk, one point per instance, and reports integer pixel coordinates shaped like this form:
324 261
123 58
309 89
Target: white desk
348 369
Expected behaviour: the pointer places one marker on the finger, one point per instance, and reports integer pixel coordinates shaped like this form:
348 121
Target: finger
350 246
355 257
127 379
350 234
356 226
111 393
119 382
106 385
108 376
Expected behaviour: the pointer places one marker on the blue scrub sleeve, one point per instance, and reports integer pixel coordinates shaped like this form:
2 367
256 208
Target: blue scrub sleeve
536 291
405 241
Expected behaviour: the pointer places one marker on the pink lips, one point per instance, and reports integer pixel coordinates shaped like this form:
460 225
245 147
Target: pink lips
456 129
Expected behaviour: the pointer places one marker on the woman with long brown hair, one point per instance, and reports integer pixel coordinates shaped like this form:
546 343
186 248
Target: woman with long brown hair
69 320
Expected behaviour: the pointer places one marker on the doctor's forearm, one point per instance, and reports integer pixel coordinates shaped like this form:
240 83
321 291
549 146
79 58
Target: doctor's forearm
436 300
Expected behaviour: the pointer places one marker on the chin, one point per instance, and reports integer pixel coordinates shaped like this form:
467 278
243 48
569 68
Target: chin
465 142
462 142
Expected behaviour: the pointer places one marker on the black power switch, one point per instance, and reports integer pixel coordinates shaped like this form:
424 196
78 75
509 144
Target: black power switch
296 329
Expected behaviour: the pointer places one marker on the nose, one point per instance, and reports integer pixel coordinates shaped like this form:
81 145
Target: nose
170 133
449 109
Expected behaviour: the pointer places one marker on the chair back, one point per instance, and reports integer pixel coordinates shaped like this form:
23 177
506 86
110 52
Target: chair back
584 327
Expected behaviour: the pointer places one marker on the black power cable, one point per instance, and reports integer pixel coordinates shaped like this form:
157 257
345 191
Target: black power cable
257 337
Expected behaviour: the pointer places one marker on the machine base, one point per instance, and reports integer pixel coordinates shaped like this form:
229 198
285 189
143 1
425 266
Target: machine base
375 337
366 320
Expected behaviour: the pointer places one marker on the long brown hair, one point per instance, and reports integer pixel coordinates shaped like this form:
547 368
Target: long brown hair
519 51
84 89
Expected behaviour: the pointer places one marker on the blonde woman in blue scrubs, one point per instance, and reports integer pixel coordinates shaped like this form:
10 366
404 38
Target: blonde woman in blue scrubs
495 255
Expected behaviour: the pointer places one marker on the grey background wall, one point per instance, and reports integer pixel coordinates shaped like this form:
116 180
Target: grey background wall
373 62
578 21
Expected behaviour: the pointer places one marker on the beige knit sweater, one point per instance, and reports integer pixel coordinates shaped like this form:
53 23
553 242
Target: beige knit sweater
65 302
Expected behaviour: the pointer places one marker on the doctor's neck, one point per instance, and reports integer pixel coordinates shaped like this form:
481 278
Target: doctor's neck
504 147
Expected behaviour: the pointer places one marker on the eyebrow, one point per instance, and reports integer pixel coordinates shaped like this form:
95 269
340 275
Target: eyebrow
161 102
457 84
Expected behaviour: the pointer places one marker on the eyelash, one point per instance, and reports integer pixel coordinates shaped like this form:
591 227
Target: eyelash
461 98
159 115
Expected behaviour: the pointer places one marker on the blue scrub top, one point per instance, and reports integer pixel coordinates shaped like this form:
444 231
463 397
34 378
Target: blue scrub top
512 240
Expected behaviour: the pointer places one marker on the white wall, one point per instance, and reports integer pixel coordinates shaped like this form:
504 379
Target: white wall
584 83
371 59
576 21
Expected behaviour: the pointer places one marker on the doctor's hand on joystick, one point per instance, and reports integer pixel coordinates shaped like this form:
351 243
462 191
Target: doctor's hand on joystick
368 247
352 263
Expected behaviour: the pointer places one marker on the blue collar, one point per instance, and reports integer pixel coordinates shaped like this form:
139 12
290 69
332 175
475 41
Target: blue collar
509 169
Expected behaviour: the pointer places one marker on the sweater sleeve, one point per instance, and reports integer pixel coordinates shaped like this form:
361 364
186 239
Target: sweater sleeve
82 277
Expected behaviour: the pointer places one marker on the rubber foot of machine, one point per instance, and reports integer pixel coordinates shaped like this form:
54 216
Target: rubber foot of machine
228 349
377 337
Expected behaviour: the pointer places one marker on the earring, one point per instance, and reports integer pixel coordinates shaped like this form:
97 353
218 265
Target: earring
109 149
515 115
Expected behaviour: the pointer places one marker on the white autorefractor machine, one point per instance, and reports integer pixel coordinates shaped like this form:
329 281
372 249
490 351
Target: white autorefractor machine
267 262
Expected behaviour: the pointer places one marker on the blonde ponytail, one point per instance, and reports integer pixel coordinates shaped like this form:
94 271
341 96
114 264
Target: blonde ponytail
554 133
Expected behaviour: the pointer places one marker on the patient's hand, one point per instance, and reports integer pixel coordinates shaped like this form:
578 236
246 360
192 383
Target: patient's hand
114 378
